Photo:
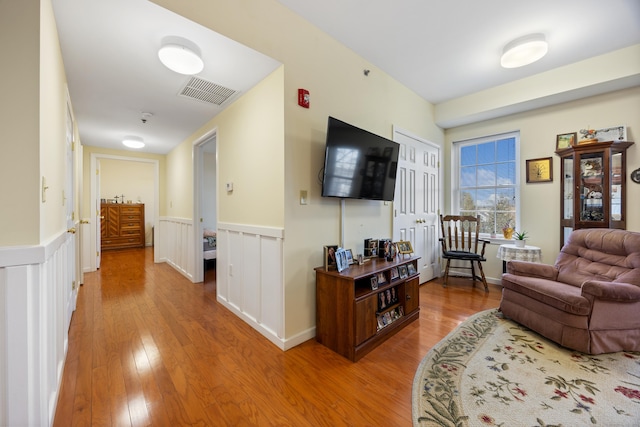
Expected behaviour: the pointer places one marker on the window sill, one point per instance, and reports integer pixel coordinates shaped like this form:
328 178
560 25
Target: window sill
497 240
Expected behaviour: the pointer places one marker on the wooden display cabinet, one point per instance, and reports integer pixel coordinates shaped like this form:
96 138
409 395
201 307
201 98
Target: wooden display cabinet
352 318
121 226
592 186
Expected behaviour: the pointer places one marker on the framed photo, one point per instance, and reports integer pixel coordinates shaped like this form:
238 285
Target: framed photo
381 278
370 248
374 283
330 256
540 170
411 269
394 295
394 273
403 271
382 301
341 260
404 247
349 256
566 140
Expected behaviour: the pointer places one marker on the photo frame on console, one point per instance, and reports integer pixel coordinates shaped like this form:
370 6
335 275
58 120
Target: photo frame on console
403 271
411 270
394 273
349 254
330 257
404 247
341 260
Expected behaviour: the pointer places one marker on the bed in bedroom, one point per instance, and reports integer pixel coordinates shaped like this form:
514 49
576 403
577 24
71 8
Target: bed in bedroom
209 242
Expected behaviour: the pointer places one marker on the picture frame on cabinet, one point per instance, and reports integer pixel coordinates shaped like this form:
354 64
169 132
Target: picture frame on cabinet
330 257
404 247
381 278
349 254
382 301
341 260
411 269
394 273
403 271
566 140
374 283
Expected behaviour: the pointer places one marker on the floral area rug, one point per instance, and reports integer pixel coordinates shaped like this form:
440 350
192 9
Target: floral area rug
491 371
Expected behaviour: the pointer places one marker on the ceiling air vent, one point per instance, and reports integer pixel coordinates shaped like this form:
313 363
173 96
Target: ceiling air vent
206 91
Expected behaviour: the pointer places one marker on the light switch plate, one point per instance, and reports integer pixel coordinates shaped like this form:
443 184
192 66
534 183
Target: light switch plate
303 197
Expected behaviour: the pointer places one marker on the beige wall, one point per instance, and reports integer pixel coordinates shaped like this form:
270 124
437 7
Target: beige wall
133 179
334 76
250 154
540 203
53 123
103 152
19 120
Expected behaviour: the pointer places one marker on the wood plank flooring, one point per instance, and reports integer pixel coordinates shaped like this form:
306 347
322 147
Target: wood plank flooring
149 348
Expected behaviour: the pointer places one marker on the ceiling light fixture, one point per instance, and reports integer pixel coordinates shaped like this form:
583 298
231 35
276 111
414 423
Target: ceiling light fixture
133 142
181 56
524 51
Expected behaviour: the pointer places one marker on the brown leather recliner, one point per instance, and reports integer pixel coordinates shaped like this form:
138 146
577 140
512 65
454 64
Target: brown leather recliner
589 300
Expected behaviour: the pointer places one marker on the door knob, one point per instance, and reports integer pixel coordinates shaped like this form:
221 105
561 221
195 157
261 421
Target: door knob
84 221
102 217
72 230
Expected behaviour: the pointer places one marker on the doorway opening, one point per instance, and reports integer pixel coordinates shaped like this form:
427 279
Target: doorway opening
205 210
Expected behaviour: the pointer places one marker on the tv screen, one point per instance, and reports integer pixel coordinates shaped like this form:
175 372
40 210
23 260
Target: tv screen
358 164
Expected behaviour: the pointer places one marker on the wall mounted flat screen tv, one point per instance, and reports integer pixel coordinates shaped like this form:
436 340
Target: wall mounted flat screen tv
358 164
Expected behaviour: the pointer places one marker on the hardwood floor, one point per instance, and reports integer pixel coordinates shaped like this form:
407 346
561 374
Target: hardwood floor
149 348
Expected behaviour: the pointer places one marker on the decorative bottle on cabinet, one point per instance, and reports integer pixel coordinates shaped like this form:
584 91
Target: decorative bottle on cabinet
593 186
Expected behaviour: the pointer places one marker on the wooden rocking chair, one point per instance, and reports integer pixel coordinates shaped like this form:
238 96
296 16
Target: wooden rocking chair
460 242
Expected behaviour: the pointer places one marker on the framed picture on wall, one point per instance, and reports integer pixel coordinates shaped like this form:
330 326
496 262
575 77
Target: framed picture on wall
540 170
566 140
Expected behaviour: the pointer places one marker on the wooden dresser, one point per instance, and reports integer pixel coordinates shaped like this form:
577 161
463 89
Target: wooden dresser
121 226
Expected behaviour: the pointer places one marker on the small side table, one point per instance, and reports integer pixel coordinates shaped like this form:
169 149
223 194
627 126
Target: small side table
508 252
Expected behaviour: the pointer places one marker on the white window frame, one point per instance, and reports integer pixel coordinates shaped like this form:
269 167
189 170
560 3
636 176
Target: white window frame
455 172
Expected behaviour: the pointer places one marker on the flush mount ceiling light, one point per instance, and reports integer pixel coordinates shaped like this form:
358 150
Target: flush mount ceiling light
181 56
524 51
133 142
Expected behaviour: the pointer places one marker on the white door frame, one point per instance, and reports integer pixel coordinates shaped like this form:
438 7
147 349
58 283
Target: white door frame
95 202
198 172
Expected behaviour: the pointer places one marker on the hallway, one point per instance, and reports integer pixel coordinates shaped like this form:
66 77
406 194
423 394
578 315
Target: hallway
148 347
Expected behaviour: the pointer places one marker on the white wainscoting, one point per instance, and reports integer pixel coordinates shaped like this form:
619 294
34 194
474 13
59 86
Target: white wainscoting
250 277
175 244
249 271
36 295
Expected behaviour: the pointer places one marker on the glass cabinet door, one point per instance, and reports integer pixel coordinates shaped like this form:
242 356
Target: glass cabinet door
567 202
616 187
591 187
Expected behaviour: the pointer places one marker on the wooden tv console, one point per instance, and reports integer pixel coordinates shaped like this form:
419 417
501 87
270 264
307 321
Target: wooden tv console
352 318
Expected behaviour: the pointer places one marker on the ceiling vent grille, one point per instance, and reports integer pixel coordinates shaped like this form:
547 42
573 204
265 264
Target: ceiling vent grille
206 91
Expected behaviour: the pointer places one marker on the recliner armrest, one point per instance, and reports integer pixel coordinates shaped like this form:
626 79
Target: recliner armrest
532 269
611 291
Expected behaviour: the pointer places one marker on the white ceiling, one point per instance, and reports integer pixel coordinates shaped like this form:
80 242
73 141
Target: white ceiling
109 48
441 50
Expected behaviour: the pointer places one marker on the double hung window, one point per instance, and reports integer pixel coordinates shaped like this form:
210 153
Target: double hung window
485 180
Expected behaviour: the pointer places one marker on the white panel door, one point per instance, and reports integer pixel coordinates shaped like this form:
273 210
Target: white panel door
70 285
416 201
